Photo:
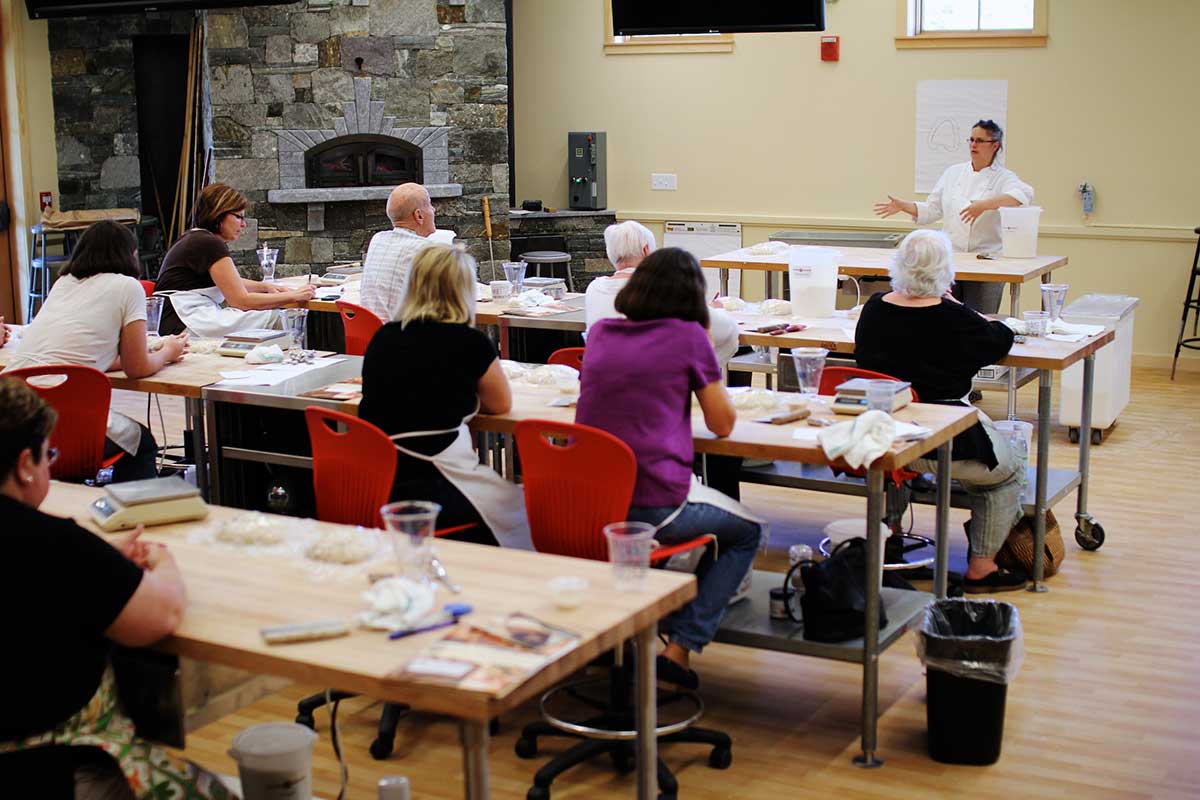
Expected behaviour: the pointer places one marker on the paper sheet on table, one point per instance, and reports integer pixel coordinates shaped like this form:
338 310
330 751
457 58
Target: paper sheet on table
946 110
272 374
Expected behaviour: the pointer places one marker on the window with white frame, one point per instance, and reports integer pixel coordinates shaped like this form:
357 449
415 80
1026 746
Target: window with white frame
971 23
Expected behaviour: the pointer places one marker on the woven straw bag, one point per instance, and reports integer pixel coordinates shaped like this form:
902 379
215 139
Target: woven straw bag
1017 551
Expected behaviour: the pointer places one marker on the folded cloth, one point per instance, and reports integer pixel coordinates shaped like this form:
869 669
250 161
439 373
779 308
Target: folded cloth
861 441
1060 327
54 220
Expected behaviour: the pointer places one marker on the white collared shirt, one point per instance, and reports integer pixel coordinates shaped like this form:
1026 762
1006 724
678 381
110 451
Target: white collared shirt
385 270
959 186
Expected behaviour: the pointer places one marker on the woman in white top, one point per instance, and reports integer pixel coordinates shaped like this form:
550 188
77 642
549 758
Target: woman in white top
967 198
95 316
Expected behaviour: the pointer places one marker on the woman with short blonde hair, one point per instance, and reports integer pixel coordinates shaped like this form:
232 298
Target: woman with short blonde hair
425 376
441 287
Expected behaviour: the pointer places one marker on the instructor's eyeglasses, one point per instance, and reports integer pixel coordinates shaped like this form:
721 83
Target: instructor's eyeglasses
973 140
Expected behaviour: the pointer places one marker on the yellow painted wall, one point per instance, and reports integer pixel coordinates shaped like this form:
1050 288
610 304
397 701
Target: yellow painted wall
29 137
772 137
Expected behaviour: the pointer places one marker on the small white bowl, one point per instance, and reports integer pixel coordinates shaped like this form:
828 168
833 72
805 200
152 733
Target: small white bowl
567 591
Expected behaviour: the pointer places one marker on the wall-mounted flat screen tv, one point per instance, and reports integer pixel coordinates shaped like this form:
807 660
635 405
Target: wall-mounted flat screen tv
48 9
661 17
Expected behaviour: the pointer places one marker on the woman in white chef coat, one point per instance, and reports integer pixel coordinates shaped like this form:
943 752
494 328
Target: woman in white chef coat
967 198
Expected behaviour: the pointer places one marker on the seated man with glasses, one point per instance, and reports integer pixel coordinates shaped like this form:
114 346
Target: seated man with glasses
967 199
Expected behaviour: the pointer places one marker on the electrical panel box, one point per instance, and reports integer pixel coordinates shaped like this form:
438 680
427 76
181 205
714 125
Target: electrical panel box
587 170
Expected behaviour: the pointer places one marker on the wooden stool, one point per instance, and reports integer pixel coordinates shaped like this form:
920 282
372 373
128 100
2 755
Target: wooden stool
1191 302
537 258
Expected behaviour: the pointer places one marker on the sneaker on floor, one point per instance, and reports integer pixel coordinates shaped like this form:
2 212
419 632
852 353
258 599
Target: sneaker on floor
999 581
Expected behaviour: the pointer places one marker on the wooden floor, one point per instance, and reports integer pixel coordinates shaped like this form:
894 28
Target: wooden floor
1107 703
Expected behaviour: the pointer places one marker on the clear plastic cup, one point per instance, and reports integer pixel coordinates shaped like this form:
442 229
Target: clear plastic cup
295 322
629 545
810 363
1053 297
1037 323
763 353
154 306
880 395
1019 435
413 523
266 259
514 273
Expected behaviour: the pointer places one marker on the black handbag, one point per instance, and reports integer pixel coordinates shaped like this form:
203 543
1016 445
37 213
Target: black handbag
835 600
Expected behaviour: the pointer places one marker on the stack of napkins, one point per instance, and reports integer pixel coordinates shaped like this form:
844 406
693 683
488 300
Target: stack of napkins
1060 331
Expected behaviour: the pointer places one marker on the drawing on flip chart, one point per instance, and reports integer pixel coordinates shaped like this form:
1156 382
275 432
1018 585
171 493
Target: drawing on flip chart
946 110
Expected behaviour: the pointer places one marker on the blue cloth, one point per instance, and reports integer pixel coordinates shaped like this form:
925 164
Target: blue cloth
695 625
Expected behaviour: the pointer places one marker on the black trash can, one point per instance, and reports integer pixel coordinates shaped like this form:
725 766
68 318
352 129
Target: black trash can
971 650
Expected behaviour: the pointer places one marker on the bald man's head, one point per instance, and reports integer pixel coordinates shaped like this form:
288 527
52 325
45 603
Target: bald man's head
409 206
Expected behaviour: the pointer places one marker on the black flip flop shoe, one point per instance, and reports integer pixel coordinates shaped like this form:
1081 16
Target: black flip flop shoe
999 581
670 672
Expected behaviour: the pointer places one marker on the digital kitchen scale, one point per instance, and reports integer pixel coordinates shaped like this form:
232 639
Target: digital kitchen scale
331 279
241 342
156 501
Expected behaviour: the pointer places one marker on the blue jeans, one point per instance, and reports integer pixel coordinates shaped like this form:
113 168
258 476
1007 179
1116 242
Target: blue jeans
695 625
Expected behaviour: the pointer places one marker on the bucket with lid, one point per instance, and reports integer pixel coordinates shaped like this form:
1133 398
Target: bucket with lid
274 761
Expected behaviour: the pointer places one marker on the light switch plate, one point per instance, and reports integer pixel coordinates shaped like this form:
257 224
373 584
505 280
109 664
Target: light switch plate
663 182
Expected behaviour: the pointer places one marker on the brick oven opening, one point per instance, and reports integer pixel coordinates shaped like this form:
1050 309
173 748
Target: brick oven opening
363 160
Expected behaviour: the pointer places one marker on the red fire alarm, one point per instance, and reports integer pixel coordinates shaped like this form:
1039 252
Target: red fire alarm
46 200
830 47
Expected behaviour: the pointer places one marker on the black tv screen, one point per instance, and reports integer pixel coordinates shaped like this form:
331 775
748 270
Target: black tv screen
51 9
650 17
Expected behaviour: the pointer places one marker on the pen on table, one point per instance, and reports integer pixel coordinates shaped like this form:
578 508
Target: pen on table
400 634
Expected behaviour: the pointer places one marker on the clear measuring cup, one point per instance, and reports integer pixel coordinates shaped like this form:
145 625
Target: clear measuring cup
514 273
154 306
266 259
1053 297
295 322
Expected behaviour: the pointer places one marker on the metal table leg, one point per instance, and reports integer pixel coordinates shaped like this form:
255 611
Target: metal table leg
1014 311
874 582
647 716
942 553
1043 475
1088 533
193 409
474 737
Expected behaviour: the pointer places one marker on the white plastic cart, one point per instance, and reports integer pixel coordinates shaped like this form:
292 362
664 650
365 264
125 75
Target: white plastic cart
1113 364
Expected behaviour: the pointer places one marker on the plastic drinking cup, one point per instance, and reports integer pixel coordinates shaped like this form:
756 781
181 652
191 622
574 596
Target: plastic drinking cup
154 307
295 322
1019 435
1053 297
880 395
762 352
266 259
413 523
629 546
501 290
810 363
1037 323
514 273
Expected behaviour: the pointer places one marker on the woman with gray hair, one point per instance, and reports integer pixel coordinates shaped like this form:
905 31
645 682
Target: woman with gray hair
920 333
626 244
967 199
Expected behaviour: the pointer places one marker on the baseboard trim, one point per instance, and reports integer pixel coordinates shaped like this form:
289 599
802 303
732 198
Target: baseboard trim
1148 361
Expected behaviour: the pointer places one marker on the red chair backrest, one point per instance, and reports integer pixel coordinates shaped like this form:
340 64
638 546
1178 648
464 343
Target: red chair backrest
574 486
352 470
147 287
359 324
834 377
82 402
570 356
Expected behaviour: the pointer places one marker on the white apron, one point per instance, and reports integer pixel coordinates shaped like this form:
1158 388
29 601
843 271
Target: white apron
500 503
204 314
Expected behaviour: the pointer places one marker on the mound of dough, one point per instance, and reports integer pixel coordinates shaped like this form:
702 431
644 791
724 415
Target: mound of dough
513 370
767 248
342 547
764 400
777 308
732 303
248 529
203 346
553 375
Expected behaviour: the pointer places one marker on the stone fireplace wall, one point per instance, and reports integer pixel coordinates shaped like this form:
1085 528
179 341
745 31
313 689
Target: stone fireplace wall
435 65
412 67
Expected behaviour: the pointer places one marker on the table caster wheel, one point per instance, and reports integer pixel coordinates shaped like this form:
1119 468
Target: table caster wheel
1097 436
720 758
526 748
1090 537
307 721
1073 435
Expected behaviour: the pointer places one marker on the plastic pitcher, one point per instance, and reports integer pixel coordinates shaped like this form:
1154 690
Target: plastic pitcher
267 257
154 306
812 280
514 273
1019 231
295 322
1053 297
1019 435
275 761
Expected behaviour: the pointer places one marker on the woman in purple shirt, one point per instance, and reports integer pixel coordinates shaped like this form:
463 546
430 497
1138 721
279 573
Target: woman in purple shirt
638 380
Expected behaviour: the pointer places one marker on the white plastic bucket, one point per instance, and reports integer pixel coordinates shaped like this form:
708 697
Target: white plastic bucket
274 761
812 280
1019 231
840 530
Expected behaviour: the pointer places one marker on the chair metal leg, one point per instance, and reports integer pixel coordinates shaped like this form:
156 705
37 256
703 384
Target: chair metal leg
1190 304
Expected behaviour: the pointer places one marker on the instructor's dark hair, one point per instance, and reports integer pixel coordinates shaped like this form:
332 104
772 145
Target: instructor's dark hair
994 130
668 283
106 246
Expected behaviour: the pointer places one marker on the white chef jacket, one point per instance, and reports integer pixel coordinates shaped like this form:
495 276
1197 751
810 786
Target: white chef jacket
959 186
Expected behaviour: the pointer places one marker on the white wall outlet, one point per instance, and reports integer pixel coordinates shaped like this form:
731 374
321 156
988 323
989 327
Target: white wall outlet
663 182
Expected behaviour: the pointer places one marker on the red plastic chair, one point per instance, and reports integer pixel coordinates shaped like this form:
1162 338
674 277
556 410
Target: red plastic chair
567 505
359 324
569 356
147 287
82 402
